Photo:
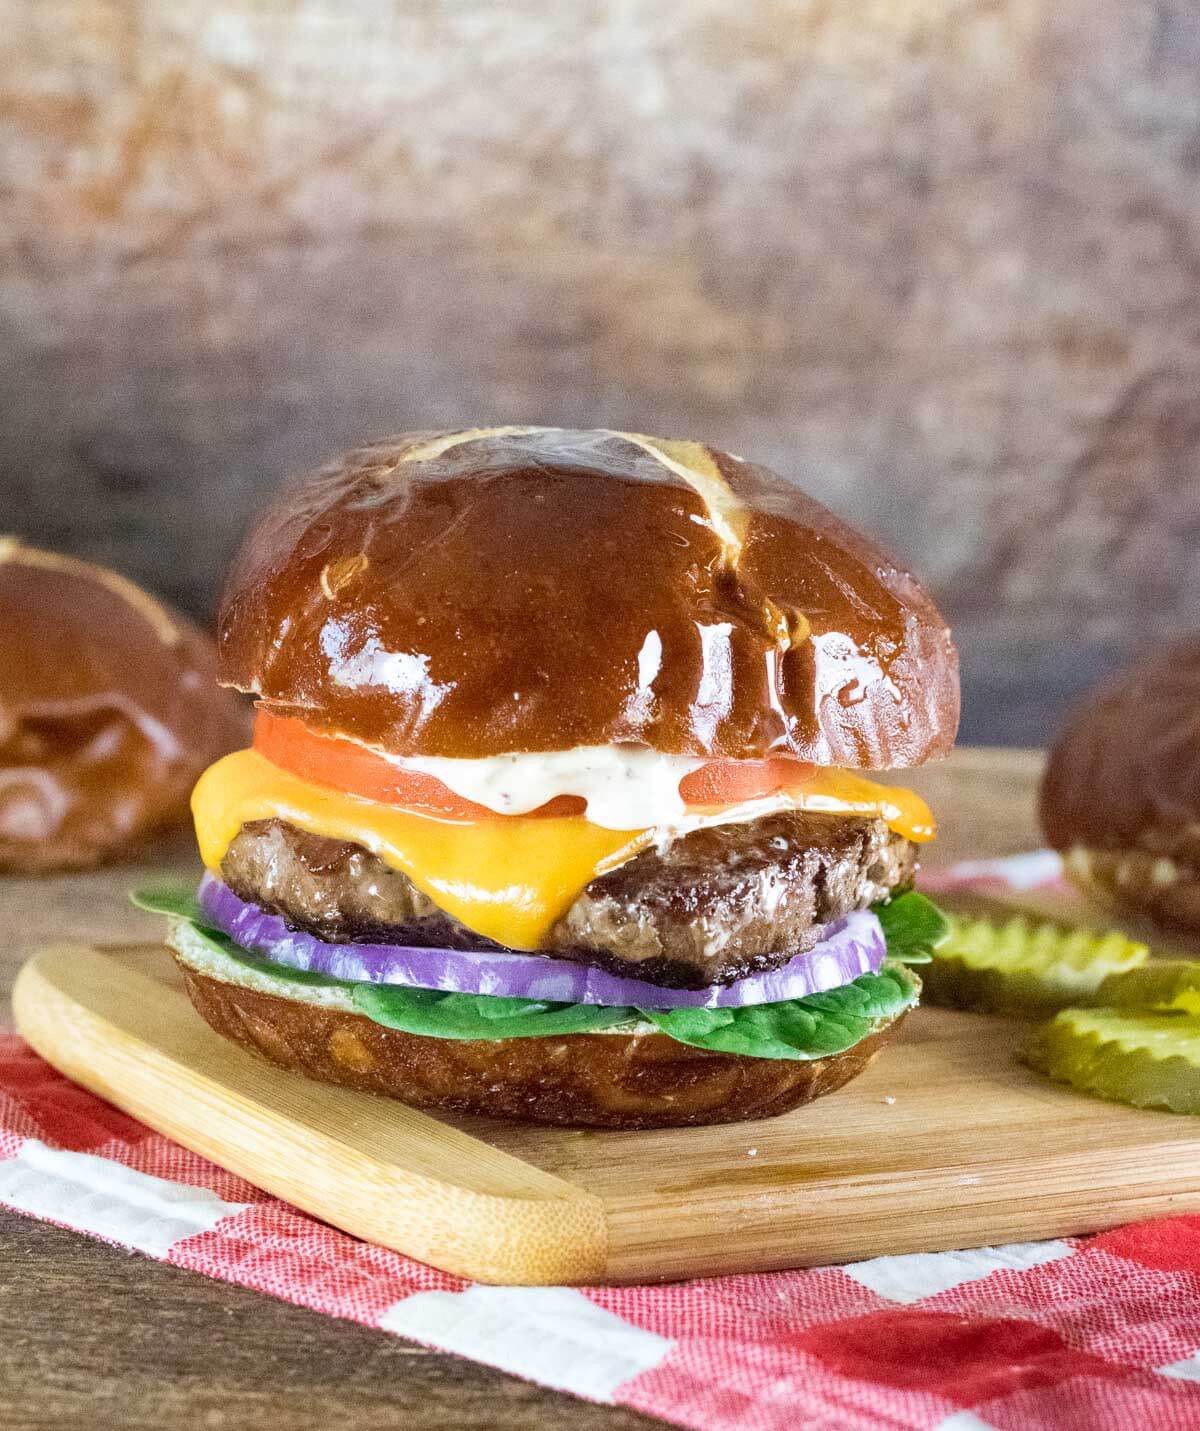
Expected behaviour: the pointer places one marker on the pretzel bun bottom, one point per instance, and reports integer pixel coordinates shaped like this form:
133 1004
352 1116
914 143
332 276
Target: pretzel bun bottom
599 1080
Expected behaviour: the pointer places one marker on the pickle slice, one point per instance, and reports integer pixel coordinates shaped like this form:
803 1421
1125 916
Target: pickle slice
1023 969
1149 1060
1161 984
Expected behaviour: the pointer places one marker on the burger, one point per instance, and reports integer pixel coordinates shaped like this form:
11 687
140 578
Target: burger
560 805
1120 797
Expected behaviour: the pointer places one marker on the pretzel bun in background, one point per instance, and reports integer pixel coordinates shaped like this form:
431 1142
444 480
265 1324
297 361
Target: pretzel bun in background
108 712
1121 794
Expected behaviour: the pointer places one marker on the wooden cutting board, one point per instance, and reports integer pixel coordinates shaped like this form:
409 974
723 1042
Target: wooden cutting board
946 1142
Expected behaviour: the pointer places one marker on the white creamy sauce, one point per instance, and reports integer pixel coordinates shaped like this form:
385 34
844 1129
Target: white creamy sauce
626 787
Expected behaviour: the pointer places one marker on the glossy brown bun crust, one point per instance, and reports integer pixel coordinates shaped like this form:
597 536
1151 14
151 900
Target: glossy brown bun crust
580 1080
526 589
108 712
1121 792
1135 882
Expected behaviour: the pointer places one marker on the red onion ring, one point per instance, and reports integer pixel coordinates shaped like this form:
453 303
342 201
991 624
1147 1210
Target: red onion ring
853 946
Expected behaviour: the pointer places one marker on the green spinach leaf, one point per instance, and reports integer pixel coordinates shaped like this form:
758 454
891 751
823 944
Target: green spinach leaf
912 925
814 1027
441 1015
174 898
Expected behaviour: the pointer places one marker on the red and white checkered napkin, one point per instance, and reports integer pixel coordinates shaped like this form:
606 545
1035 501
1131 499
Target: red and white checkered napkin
1099 1332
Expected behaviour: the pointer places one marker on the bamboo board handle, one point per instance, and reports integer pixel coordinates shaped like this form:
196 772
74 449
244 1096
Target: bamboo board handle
375 1168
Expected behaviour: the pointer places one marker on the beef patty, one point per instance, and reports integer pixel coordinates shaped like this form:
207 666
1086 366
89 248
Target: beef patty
714 905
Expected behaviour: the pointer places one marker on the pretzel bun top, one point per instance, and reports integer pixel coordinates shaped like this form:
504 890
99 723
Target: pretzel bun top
523 589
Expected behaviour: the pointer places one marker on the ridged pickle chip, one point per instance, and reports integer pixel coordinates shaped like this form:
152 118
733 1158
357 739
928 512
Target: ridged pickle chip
1163 984
1151 1060
1024 969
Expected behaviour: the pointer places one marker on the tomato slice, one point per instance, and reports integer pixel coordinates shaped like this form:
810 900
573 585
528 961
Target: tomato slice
353 769
729 782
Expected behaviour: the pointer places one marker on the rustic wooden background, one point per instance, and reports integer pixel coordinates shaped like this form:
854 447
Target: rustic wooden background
937 259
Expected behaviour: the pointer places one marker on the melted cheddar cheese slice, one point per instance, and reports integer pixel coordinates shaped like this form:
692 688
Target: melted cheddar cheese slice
510 878
843 792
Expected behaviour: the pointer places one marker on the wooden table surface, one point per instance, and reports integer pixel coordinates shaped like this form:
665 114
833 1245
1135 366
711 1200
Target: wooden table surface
92 1336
